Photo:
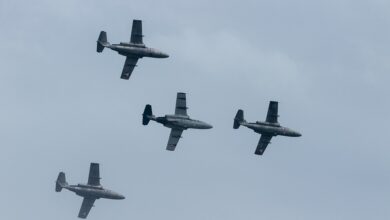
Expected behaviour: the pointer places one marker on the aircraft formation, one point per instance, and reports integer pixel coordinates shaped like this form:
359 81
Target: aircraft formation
177 122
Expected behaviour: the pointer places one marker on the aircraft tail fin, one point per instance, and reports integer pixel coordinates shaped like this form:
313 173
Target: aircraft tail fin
102 42
238 119
147 115
61 182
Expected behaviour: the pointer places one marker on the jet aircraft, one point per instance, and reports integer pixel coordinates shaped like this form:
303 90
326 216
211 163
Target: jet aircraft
133 50
178 122
267 129
90 191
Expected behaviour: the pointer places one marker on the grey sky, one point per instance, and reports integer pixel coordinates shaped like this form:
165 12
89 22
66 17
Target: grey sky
64 106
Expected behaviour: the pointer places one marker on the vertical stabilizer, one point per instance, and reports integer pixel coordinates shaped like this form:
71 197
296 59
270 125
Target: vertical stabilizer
102 42
61 182
147 115
238 119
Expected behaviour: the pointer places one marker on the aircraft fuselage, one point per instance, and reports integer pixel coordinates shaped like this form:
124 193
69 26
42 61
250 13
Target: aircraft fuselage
137 50
271 129
93 191
182 122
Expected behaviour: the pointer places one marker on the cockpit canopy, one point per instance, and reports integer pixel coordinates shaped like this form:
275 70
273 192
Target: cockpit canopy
131 44
177 116
89 186
267 123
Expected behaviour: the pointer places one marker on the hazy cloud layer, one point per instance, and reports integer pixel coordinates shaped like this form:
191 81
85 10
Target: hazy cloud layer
63 106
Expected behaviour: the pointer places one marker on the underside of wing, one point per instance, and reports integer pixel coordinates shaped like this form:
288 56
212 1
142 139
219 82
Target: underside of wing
136 32
272 114
94 175
263 143
86 207
174 138
181 104
130 64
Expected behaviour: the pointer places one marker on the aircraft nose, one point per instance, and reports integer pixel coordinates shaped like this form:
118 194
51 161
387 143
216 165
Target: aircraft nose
164 55
297 134
121 197
208 126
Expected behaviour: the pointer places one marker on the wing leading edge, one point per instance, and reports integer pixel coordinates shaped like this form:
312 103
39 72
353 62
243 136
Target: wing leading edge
263 143
174 138
136 32
86 207
130 64
272 114
181 104
94 175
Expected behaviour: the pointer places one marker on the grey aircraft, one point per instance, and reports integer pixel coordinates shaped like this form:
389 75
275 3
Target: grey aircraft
178 122
90 191
133 50
267 129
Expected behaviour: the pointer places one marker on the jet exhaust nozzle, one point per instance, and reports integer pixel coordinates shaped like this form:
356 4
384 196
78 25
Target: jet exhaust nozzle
61 182
238 119
102 42
147 115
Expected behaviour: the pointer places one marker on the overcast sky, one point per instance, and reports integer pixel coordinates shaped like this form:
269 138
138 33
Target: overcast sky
62 106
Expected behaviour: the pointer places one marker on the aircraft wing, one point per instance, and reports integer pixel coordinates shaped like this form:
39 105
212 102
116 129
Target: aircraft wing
181 104
94 175
128 68
174 138
136 32
86 207
272 114
263 143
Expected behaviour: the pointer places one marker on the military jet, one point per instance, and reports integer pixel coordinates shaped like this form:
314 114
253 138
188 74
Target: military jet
267 129
178 122
90 191
133 50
